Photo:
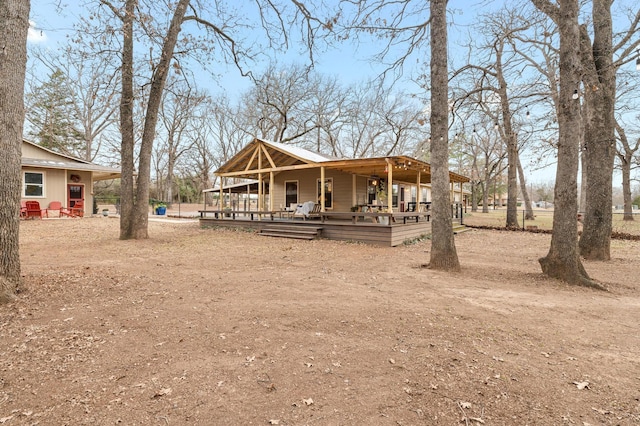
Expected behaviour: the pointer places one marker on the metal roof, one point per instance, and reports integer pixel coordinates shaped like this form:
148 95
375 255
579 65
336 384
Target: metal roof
67 162
263 157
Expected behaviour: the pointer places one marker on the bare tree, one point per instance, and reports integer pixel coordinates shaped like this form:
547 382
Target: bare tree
14 23
282 96
93 88
443 249
363 133
563 261
159 26
179 106
627 152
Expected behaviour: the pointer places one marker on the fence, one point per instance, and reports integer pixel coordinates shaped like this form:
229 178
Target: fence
543 220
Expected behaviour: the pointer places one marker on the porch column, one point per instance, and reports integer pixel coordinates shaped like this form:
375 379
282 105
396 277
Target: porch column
221 196
419 192
271 190
259 206
389 186
354 188
322 194
260 195
245 207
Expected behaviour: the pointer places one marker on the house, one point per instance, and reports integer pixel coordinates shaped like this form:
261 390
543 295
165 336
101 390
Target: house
281 177
49 176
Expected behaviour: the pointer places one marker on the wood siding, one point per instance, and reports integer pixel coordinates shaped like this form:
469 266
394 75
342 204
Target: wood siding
385 235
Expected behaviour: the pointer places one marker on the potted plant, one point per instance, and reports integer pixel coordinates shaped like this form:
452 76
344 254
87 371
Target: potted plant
161 209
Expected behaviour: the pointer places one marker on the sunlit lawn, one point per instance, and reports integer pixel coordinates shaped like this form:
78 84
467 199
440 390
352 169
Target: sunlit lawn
543 220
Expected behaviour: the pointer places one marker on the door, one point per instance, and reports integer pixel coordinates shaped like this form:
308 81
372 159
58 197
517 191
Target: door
75 194
291 193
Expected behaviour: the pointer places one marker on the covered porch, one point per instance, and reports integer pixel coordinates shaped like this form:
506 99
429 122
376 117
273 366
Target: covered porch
382 200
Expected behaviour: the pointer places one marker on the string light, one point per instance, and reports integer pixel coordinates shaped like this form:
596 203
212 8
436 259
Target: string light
575 94
496 126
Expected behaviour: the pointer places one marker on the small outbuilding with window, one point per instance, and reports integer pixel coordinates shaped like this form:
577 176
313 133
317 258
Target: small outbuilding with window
49 176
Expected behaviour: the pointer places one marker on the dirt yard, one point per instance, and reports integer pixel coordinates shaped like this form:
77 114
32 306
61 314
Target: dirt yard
220 327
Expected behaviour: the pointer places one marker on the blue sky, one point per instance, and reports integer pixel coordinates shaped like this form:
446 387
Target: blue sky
51 24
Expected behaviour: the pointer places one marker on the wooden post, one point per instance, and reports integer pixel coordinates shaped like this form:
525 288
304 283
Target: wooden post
354 189
419 191
260 195
322 194
389 186
221 197
248 198
271 175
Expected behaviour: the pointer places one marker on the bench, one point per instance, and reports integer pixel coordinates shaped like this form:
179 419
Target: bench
393 217
233 213
412 215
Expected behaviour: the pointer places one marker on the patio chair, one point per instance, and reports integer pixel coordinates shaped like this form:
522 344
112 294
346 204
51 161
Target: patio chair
23 209
78 209
53 206
307 210
33 210
57 206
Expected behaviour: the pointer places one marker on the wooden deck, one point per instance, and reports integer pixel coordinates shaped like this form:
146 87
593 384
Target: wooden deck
360 227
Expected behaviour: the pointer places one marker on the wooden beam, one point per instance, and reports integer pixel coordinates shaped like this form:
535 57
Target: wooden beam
271 192
322 194
354 189
221 196
267 155
389 186
253 156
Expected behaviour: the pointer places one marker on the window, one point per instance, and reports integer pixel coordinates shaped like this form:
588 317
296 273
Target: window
33 184
291 193
372 185
394 195
328 193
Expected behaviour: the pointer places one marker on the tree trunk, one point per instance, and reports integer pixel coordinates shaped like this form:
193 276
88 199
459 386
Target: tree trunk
137 219
562 261
600 143
443 249
126 126
528 214
582 205
474 196
14 23
486 184
626 190
626 159
512 145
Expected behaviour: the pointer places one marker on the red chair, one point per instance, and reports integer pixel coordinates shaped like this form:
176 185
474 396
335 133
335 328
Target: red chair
23 209
57 206
78 209
33 210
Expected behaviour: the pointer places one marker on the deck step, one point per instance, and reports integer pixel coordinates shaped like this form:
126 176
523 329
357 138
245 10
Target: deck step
292 228
292 231
457 229
288 235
